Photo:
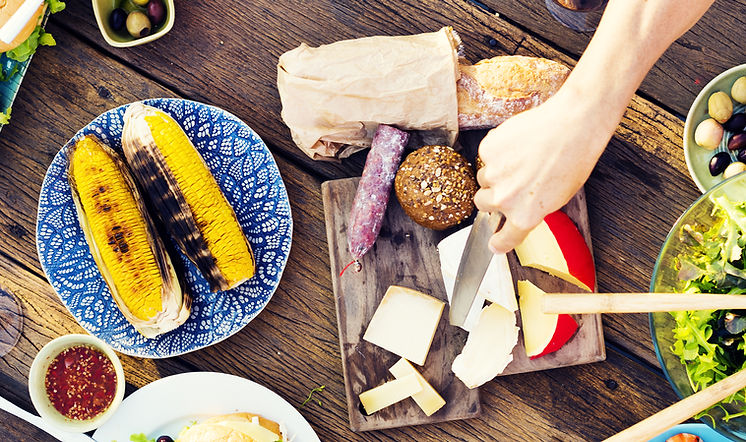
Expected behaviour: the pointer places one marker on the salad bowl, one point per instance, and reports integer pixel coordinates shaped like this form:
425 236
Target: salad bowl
693 259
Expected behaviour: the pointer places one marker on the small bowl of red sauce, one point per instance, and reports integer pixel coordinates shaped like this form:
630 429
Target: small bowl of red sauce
76 382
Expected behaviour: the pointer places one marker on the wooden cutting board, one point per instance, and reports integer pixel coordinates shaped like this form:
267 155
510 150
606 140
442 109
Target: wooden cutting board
406 254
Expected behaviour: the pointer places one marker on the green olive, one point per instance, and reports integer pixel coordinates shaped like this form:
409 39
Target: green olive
140 2
138 24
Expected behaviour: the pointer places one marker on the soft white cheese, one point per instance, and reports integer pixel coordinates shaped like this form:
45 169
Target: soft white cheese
497 285
405 322
488 348
428 399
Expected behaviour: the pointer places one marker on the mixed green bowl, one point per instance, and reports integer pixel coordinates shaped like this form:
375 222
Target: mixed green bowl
665 279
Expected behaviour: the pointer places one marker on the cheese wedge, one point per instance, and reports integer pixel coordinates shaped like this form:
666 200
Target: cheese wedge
543 333
497 285
404 323
557 247
428 399
390 393
489 347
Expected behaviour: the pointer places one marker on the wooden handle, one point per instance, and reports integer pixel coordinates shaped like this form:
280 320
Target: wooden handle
682 410
638 302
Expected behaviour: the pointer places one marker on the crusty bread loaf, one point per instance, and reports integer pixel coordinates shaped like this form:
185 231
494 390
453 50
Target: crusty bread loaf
495 89
435 186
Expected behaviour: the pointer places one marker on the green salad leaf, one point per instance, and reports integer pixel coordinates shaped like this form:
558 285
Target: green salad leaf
55 6
713 262
25 50
5 116
140 437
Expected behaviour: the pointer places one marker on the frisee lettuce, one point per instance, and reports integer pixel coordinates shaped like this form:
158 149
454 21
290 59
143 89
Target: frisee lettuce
713 263
5 116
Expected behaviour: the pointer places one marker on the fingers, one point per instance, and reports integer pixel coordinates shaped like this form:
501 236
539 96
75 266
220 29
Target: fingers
507 238
483 200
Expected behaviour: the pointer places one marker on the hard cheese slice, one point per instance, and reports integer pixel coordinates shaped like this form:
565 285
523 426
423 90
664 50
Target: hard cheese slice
390 393
497 285
489 347
405 322
557 247
428 399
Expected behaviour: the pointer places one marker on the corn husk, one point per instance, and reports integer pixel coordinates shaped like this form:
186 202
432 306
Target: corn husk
122 248
190 203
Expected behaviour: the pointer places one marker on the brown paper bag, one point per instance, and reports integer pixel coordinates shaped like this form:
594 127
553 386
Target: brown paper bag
334 96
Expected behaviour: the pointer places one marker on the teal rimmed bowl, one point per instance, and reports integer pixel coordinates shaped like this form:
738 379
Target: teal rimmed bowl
665 279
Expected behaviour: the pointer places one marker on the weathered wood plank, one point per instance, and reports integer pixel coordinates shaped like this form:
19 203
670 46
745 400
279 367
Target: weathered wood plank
627 180
405 254
710 47
238 70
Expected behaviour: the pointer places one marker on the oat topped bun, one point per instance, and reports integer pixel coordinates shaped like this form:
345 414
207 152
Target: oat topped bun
435 186
236 427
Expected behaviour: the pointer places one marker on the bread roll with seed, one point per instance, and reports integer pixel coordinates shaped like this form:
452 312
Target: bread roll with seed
435 186
495 89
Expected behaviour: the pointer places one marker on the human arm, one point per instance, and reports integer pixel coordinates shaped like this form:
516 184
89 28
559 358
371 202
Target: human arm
536 161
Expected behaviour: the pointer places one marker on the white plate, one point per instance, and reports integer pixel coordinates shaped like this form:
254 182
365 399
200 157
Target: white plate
167 405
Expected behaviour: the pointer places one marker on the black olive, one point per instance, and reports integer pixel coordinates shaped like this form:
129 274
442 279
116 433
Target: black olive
737 141
719 162
157 12
165 439
736 123
117 19
735 324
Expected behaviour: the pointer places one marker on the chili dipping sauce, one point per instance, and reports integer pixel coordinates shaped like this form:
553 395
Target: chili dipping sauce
81 382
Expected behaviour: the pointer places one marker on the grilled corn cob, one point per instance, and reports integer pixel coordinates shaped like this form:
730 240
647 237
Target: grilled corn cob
190 202
123 240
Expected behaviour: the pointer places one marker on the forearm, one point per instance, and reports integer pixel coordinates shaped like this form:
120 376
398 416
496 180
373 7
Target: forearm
632 35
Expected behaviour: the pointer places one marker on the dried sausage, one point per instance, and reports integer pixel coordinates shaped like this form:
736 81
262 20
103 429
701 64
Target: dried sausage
374 189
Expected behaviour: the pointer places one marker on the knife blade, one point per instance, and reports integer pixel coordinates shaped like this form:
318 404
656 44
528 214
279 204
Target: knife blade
474 262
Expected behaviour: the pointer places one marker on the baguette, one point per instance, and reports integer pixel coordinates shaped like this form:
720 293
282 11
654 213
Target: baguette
495 89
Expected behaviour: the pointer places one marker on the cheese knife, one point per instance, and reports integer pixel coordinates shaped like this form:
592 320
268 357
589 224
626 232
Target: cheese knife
474 262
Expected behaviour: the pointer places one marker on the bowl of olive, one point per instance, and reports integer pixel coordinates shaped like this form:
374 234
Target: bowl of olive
125 23
715 130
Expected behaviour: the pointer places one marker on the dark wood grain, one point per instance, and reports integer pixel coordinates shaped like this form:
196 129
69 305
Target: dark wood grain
406 254
649 183
224 53
708 49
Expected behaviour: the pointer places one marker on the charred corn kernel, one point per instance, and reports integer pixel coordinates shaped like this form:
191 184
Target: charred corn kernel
118 228
214 216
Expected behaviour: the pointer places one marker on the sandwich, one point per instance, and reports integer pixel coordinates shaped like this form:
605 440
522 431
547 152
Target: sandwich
236 427
21 33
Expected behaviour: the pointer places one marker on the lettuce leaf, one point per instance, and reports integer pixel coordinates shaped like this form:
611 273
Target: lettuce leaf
26 49
55 6
713 262
5 116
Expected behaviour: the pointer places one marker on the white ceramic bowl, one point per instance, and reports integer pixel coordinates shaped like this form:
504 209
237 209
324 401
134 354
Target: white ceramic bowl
38 392
698 158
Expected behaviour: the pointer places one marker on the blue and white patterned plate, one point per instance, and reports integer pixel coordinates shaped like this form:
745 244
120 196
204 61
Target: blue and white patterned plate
250 180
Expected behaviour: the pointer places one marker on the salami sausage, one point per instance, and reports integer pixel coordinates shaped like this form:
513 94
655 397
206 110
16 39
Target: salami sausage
374 189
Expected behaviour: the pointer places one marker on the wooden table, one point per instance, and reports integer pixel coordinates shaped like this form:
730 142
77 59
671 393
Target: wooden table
224 53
